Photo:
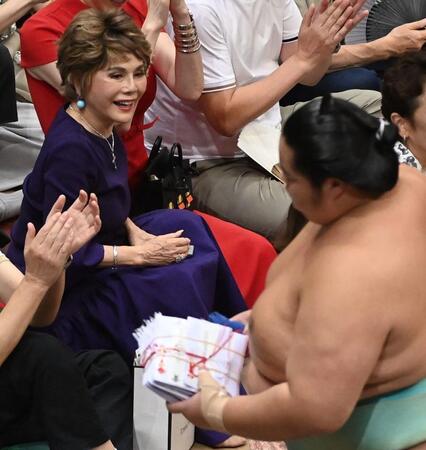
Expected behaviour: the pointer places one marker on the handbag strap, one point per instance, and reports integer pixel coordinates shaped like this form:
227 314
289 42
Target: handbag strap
176 160
155 148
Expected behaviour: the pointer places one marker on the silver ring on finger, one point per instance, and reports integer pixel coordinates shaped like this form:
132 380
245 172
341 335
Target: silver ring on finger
179 258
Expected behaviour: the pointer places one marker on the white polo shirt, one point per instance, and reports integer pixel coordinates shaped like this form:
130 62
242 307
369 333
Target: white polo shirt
241 43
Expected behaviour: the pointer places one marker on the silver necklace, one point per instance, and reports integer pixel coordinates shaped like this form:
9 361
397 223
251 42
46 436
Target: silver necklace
111 144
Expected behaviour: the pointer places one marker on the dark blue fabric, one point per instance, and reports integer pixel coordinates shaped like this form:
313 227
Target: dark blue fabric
342 80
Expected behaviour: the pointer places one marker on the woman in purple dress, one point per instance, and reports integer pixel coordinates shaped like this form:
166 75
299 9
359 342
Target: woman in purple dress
131 269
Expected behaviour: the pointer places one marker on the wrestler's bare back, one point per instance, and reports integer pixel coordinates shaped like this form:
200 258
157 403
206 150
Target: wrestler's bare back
385 239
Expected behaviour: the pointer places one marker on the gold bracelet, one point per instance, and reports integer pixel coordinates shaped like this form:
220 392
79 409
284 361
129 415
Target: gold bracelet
185 27
189 50
187 45
189 42
186 36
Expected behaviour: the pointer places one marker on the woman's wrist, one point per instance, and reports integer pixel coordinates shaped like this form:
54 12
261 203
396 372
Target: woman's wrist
151 26
129 255
181 16
37 286
213 401
186 36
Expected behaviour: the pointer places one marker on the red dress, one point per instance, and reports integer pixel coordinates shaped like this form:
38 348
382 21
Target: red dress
248 254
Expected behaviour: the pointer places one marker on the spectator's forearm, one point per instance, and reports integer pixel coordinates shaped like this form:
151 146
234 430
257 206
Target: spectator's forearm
12 10
48 310
189 79
361 54
151 30
18 313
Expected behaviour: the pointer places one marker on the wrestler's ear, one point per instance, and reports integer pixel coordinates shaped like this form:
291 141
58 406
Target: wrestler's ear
333 189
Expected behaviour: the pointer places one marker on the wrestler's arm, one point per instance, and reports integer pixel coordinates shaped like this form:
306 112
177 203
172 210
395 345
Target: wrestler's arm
406 38
338 337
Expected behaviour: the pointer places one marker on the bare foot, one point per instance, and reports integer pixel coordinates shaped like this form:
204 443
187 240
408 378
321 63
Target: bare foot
232 442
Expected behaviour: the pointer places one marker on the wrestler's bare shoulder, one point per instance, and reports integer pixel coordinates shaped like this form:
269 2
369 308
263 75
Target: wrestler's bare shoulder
388 231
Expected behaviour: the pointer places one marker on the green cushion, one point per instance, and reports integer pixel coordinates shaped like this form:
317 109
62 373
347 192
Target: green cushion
29 446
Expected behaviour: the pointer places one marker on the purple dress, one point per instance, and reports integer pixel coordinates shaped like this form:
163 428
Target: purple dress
102 306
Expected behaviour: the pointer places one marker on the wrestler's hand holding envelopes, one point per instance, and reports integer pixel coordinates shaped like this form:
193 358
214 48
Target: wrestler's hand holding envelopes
173 350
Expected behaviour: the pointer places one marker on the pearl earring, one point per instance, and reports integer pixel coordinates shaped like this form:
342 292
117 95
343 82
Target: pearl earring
81 103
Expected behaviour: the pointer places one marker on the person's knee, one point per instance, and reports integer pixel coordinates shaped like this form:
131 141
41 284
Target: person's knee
369 101
45 355
110 367
115 364
367 79
47 349
355 78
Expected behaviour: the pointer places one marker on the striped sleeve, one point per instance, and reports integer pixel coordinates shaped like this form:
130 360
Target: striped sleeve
292 20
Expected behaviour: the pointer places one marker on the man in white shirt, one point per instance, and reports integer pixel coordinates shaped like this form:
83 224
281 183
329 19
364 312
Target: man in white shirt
252 56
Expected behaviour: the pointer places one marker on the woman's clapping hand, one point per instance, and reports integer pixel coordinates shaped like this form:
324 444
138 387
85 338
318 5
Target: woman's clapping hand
158 13
85 214
323 28
47 251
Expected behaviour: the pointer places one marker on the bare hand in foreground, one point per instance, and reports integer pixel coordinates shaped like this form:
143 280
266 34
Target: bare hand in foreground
85 214
63 234
243 317
163 250
47 252
323 28
410 37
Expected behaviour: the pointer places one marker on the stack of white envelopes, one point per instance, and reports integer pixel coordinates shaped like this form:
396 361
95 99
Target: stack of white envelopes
173 351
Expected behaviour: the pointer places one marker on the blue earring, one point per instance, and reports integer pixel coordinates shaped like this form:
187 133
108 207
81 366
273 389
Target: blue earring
81 103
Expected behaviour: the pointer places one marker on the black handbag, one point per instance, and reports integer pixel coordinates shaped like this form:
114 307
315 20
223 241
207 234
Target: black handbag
166 182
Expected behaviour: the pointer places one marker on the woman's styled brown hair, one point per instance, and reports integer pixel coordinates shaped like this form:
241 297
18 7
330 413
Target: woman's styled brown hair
91 40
